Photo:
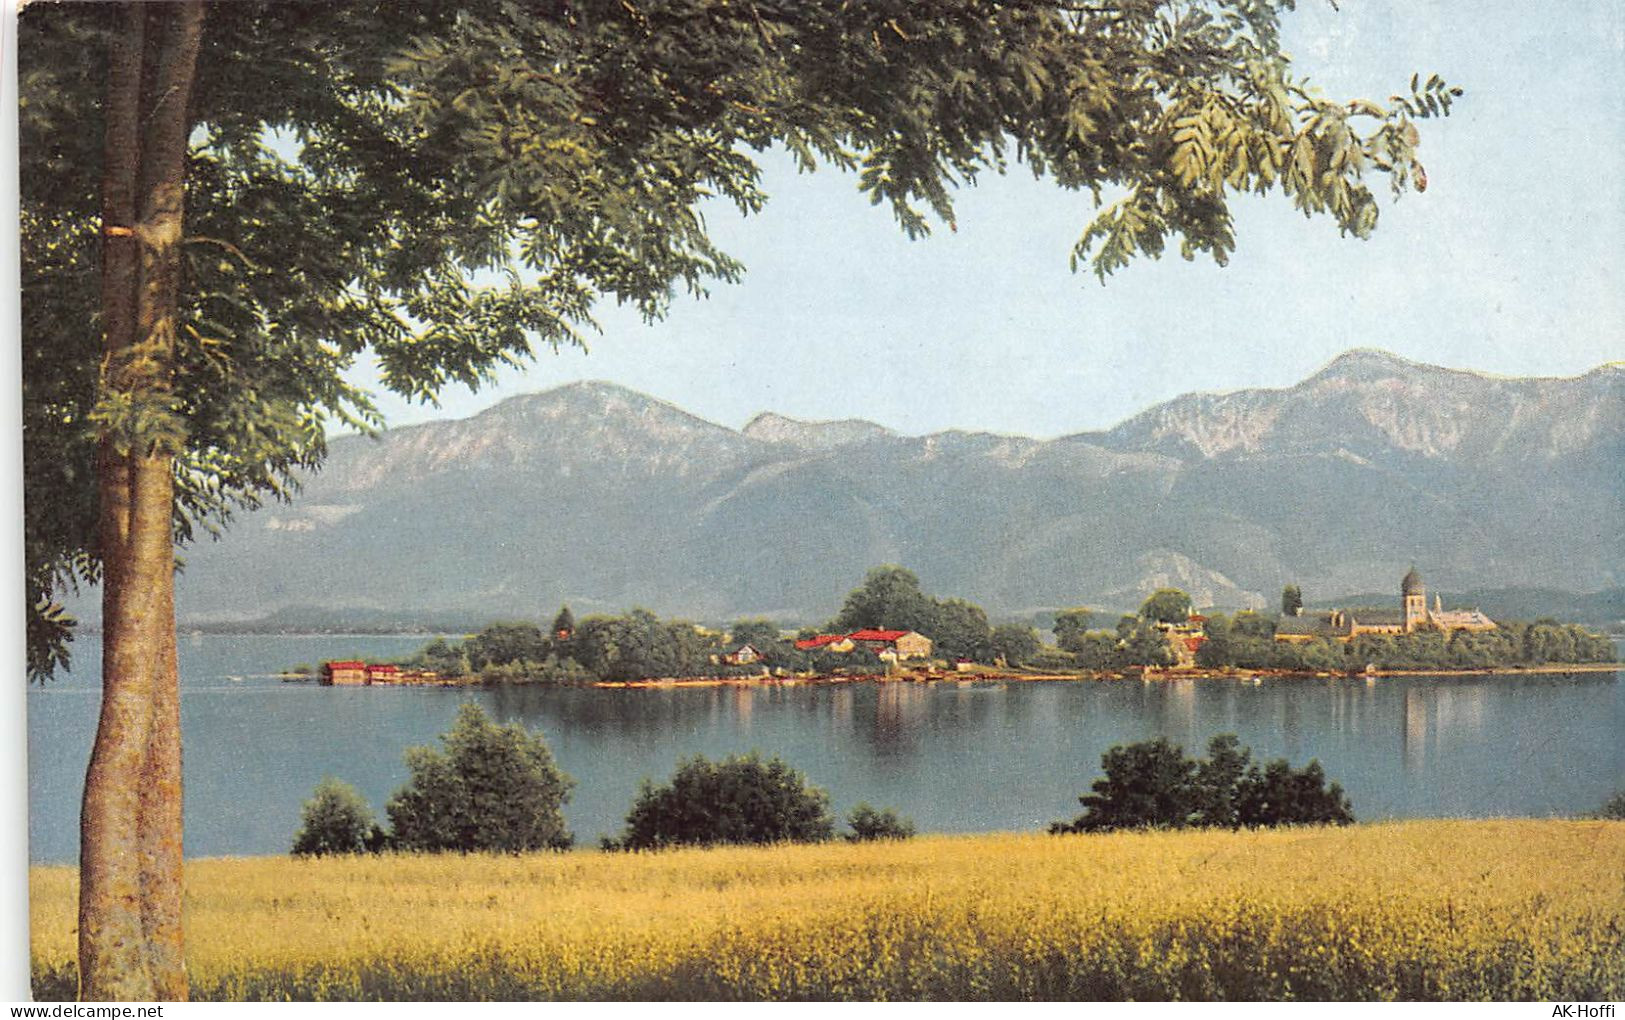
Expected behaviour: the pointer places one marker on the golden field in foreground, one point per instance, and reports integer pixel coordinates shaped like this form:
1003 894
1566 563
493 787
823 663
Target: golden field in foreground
1415 910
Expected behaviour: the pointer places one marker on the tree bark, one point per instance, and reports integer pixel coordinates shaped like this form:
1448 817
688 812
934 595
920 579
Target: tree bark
130 824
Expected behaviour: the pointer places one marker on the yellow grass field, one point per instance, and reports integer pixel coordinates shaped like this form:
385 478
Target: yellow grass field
1521 910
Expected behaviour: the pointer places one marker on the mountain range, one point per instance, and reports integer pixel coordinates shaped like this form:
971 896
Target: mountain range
605 498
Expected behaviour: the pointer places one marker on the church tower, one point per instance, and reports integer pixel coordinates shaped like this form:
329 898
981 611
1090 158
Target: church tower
1414 597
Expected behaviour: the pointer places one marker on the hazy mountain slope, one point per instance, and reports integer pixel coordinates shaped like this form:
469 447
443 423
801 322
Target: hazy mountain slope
606 498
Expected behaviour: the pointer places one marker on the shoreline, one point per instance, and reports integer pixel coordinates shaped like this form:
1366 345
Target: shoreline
1006 676
1145 675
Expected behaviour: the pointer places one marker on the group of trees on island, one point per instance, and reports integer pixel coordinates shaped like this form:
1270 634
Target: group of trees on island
631 646
1247 640
1135 639
639 645
890 598
496 788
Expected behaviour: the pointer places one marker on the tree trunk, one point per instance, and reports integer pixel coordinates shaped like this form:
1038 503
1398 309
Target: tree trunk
130 824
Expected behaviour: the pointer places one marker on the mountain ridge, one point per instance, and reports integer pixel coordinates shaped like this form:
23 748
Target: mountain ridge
600 496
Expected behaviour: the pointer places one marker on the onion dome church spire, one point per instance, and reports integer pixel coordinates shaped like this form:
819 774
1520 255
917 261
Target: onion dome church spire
1412 584
1413 597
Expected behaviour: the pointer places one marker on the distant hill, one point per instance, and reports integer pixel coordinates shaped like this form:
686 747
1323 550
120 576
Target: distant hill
324 620
605 498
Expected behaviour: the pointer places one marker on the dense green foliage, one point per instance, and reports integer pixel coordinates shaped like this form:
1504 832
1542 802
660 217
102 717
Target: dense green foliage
890 598
336 820
867 823
635 646
1071 626
1136 642
550 670
502 643
640 645
762 635
493 787
741 799
1166 605
1015 643
1247 640
442 657
860 661
1152 785
1291 600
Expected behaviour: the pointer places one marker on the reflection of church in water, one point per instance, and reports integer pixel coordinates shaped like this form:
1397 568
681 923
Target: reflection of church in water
1412 615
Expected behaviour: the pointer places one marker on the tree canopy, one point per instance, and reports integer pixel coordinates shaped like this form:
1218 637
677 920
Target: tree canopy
335 820
1166 605
243 198
890 597
450 186
1070 627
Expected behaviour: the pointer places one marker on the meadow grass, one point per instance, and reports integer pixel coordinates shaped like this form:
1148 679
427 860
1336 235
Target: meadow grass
1501 910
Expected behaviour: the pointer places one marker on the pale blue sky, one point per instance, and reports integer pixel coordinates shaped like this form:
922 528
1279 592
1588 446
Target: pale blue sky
1510 263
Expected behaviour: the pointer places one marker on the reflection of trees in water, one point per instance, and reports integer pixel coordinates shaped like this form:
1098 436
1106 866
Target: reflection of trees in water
899 710
1413 735
1292 723
892 715
1442 713
841 708
597 711
1177 710
908 716
895 720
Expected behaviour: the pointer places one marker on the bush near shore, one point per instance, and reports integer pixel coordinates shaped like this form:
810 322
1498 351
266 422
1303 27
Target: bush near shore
1498 910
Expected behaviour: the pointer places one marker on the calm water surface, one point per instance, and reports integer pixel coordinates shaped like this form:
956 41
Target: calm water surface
956 757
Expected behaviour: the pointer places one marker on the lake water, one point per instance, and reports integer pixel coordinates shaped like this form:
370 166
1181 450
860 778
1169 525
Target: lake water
955 757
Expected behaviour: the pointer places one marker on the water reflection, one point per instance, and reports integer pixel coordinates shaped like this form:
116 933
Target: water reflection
1414 744
955 756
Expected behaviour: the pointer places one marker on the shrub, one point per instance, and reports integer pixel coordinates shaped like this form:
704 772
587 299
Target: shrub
1281 795
868 824
494 787
1153 785
1147 785
742 799
1614 807
336 820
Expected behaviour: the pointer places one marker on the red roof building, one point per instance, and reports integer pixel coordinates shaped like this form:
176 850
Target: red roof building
906 644
877 635
821 641
345 671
